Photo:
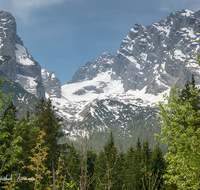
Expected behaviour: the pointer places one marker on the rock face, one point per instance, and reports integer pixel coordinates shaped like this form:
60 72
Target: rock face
51 83
153 58
92 68
149 61
16 62
156 56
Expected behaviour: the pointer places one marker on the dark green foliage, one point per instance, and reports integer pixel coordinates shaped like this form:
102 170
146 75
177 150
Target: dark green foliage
47 120
73 163
194 98
158 164
129 169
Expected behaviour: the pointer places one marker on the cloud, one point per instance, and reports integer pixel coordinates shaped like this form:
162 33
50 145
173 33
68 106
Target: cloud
171 5
24 9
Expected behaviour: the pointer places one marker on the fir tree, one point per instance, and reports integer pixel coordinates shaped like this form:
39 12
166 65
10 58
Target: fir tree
106 165
51 124
158 164
137 165
129 169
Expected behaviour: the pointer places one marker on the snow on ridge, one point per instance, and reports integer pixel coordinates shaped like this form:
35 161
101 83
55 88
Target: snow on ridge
22 55
28 83
102 82
165 29
130 97
187 13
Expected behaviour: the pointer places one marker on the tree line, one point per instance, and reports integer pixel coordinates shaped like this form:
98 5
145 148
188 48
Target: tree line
31 156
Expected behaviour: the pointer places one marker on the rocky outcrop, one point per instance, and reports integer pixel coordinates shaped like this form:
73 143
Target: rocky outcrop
18 64
155 56
92 68
51 83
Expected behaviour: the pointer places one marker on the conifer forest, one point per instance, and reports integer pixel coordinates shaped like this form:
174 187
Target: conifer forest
33 156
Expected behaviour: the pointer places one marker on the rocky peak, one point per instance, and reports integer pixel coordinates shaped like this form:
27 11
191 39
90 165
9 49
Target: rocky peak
152 57
92 68
51 83
17 63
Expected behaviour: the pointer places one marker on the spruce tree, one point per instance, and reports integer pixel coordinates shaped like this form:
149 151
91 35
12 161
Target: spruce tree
51 124
120 169
106 165
146 153
158 164
129 169
138 165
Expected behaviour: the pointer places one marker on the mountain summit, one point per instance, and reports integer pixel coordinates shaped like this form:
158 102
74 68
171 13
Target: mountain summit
118 92
17 63
150 60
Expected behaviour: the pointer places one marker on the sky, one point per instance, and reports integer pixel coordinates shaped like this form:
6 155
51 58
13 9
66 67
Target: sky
63 35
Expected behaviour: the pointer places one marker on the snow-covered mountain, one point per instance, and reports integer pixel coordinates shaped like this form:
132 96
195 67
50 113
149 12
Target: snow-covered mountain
19 65
150 60
118 92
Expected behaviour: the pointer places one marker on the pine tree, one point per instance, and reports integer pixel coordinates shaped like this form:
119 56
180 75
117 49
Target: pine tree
106 165
51 124
29 138
72 164
158 164
138 165
146 153
120 169
129 169
10 118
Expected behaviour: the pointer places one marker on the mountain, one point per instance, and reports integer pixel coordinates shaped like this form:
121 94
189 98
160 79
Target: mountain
121 92
20 68
114 92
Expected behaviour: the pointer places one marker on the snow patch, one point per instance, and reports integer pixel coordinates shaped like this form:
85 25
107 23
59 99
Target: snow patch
187 13
102 82
179 55
28 83
22 55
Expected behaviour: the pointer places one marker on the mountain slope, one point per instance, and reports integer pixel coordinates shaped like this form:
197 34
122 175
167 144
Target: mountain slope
114 92
19 67
150 60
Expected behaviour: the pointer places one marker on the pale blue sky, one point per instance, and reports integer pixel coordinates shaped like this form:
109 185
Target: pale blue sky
62 35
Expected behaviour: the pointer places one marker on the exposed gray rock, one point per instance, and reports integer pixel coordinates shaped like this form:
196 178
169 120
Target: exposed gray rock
154 56
51 83
92 68
19 65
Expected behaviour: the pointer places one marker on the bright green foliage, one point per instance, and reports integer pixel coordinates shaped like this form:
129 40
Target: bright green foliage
47 120
37 160
9 132
180 131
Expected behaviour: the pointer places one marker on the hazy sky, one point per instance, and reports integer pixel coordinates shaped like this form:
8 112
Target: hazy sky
62 35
